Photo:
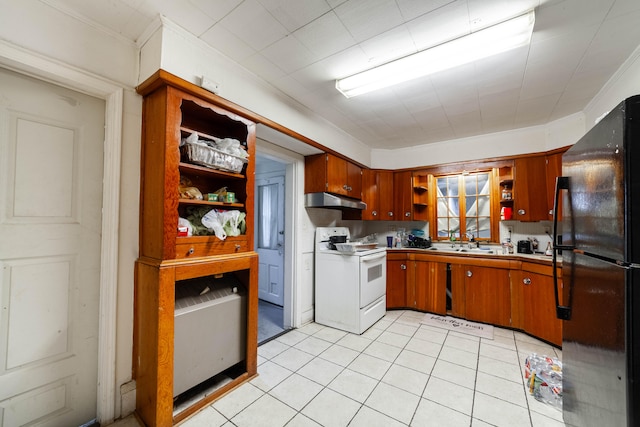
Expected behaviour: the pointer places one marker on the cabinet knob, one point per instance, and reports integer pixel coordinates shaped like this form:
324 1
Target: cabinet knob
521 212
526 281
237 247
407 214
469 273
374 213
403 266
190 251
390 213
551 212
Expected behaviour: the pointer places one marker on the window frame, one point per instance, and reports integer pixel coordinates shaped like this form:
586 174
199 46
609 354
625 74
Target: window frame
493 203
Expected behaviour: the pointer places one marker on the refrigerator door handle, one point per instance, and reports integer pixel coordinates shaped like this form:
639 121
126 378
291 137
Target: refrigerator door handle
563 312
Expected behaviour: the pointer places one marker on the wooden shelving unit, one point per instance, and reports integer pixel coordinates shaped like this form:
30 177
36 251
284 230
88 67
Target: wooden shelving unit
173 109
420 185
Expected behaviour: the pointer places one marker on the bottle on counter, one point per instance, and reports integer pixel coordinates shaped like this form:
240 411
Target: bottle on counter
549 251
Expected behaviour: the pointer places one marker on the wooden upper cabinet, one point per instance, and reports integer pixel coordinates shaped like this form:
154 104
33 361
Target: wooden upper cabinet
530 189
403 196
370 194
169 116
554 170
332 174
377 193
385 195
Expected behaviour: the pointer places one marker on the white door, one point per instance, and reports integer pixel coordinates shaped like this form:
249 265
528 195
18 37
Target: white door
270 240
51 170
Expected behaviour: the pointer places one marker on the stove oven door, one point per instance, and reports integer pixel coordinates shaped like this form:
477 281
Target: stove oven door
373 277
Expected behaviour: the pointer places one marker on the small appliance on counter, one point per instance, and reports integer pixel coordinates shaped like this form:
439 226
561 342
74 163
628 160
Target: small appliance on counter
524 247
418 242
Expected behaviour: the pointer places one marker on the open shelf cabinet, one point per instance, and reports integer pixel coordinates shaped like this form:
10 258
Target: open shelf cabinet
173 110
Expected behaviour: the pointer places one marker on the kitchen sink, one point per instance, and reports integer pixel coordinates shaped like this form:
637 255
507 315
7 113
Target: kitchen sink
479 251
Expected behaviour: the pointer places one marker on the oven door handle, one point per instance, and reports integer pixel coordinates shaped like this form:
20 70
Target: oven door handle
373 257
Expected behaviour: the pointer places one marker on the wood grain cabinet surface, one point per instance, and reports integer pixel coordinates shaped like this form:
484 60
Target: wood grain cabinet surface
174 109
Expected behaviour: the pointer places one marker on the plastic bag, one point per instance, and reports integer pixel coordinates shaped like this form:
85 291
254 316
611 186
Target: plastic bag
225 223
183 224
213 221
544 379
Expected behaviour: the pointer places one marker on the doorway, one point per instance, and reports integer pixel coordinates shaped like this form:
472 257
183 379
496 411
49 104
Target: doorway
52 147
270 236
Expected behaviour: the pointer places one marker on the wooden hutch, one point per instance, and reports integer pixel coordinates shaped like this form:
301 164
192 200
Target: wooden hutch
174 109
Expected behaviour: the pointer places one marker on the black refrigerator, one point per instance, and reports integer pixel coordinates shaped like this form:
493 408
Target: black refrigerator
600 248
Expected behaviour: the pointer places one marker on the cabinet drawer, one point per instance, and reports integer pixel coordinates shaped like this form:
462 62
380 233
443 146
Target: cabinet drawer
194 247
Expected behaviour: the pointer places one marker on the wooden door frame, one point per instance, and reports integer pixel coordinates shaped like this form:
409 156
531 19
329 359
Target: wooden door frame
36 65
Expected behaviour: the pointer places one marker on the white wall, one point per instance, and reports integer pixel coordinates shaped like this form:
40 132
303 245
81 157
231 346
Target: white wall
623 84
542 138
43 31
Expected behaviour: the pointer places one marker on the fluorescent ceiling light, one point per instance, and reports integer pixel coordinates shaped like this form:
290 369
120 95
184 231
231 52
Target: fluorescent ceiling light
490 41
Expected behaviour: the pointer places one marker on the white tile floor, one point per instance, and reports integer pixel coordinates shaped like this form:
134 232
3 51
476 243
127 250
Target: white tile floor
398 373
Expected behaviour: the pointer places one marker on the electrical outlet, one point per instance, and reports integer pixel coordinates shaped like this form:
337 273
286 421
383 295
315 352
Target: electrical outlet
547 230
509 229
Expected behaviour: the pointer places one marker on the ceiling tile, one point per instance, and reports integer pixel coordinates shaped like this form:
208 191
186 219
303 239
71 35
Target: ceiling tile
367 18
293 14
228 43
289 54
441 25
254 25
483 14
218 9
184 14
413 8
325 36
390 45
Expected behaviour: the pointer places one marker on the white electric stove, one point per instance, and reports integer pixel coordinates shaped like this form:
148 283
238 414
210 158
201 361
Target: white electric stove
350 287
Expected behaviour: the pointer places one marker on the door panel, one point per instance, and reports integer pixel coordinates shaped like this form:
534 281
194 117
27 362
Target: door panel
270 239
487 295
51 145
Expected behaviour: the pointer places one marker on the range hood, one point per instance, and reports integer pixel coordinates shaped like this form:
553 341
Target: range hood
332 201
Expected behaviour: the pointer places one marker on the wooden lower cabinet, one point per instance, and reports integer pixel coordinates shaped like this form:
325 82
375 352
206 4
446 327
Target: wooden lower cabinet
487 295
430 286
539 307
397 280
155 291
506 293
415 281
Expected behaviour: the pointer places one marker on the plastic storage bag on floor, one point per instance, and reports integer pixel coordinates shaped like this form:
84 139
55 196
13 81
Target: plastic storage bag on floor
544 379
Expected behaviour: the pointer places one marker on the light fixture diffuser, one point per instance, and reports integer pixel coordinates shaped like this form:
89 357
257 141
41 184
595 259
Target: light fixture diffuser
490 41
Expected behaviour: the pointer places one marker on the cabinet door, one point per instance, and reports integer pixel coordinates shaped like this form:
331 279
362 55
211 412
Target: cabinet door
431 286
402 192
337 175
397 283
385 195
487 295
370 194
554 170
540 308
530 189
354 180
